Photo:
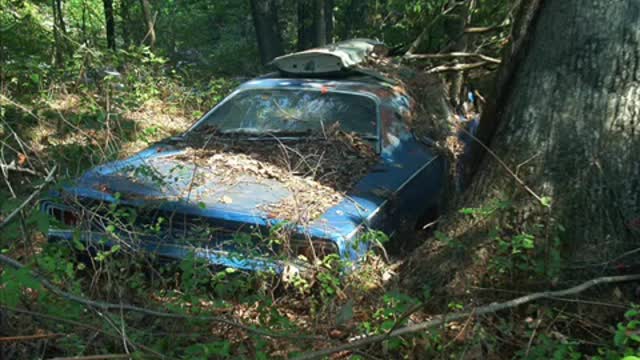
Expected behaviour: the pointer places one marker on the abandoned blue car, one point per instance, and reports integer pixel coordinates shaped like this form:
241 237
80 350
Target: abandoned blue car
316 161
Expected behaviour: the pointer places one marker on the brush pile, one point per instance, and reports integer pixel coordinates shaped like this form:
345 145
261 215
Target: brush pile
433 117
317 170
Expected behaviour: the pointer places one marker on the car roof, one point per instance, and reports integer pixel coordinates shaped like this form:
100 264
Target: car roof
358 84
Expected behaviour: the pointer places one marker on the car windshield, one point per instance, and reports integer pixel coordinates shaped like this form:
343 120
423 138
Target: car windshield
268 111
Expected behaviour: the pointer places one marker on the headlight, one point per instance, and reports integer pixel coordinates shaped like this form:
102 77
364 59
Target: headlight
63 214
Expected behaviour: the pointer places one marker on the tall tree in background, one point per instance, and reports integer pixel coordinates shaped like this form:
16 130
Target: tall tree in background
328 19
315 23
319 23
59 33
149 20
126 20
265 21
110 24
304 24
455 23
357 12
565 119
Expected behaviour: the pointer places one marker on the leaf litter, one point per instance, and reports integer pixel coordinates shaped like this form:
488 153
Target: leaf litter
318 170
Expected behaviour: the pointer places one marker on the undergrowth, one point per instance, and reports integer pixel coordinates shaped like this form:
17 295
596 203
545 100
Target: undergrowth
103 106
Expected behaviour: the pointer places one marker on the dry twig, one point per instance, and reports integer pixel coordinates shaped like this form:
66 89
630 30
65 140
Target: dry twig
23 338
33 195
452 55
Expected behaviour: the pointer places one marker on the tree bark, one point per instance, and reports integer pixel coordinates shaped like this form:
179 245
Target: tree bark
149 22
319 23
59 33
265 21
328 19
356 18
305 24
125 23
455 24
110 24
566 120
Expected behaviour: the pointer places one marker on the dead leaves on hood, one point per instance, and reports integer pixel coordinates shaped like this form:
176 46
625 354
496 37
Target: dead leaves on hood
317 170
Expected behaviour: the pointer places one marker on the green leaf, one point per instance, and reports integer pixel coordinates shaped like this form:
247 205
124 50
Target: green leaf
545 201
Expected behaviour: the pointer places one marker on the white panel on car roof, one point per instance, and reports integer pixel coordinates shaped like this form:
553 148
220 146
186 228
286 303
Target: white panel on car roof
334 58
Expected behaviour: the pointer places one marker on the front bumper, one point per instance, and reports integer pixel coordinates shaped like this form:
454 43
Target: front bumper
179 252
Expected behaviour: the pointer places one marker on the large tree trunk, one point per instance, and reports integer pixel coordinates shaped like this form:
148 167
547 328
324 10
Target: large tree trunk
566 121
110 24
265 20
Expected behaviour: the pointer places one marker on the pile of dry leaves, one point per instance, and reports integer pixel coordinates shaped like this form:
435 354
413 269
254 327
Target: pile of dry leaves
433 116
318 169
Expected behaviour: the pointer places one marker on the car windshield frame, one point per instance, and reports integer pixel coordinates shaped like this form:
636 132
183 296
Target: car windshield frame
375 99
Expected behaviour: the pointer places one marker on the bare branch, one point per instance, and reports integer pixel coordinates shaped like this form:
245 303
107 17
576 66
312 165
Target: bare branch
492 308
96 357
457 67
452 55
482 29
22 338
29 199
13 167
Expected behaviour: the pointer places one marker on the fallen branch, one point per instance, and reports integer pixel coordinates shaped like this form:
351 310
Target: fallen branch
452 55
29 199
96 357
59 320
23 338
492 308
482 29
457 67
105 306
13 167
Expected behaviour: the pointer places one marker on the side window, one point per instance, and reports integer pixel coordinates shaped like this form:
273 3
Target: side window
395 128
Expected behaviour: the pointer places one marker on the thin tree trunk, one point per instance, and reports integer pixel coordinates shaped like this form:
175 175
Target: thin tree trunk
356 18
265 20
126 21
455 24
305 24
110 24
58 46
83 26
149 22
319 23
63 27
328 17
172 28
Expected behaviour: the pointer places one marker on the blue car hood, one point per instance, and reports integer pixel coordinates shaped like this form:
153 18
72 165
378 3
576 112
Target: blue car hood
160 177
156 177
